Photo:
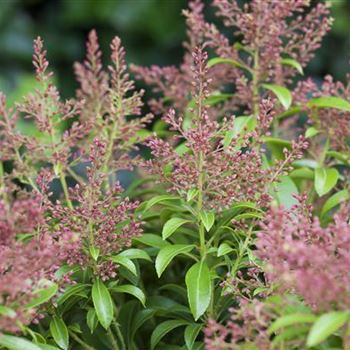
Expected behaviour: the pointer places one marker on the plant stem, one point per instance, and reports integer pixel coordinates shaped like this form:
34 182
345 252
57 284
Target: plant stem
119 335
81 342
112 339
65 190
255 82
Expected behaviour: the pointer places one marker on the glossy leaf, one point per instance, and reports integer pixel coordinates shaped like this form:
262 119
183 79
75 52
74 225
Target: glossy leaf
133 290
325 180
103 303
70 291
334 200
168 253
325 326
199 287
159 199
282 93
224 249
43 295
134 253
151 240
191 334
164 328
191 194
126 262
293 63
330 102
172 225
59 332
16 343
91 320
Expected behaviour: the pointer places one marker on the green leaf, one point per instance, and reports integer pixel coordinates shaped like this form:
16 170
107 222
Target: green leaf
47 347
199 287
151 240
126 262
91 320
293 63
334 200
325 180
191 194
103 303
289 320
42 295
172 225
191 334
329 102
241 126
134 253
224 249
130 289
220 60
76 289
158 199
325 326
164 328
311 132
207 218
168 253
16 343
282 93
59 332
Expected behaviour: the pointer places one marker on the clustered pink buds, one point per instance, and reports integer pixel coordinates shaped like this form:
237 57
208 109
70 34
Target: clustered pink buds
306 258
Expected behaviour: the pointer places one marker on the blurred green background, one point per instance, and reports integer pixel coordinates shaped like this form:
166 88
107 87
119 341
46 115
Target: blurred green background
152 32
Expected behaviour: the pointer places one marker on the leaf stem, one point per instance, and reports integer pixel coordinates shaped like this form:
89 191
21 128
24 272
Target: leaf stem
81 342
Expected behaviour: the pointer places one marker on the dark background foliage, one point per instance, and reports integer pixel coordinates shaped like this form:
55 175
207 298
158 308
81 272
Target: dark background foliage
152 32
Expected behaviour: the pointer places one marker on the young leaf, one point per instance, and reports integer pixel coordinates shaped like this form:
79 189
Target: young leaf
220 60
94 252
282 93
168 253
191 333
134 253
172 225
76 289
59 332
207 218
224 249
130 289
311 132
329 102
289 320
127 263
334 200
91 320
191 194
164 328
198 285
325 326
42 295
103 303
325 180
293 63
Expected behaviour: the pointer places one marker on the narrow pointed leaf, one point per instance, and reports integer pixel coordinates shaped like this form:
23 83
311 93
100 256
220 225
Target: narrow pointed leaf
334 200
191 334
43 295
325 326
282 93
164 328
293 63
159 199
103 303
330 102
16 343
59 332
198 285
325 180
130 289
91 320
168 253
126 262
172 225
134 253
224 249
207 218
289 320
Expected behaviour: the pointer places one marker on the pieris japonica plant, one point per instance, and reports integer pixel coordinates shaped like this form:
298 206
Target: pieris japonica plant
234 231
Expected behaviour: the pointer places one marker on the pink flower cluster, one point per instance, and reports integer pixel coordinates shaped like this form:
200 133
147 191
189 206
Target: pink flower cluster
306 258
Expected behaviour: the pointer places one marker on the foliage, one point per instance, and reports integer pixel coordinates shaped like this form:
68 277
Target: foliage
234 231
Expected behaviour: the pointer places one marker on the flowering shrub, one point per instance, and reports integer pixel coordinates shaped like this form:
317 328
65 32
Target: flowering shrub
234 230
